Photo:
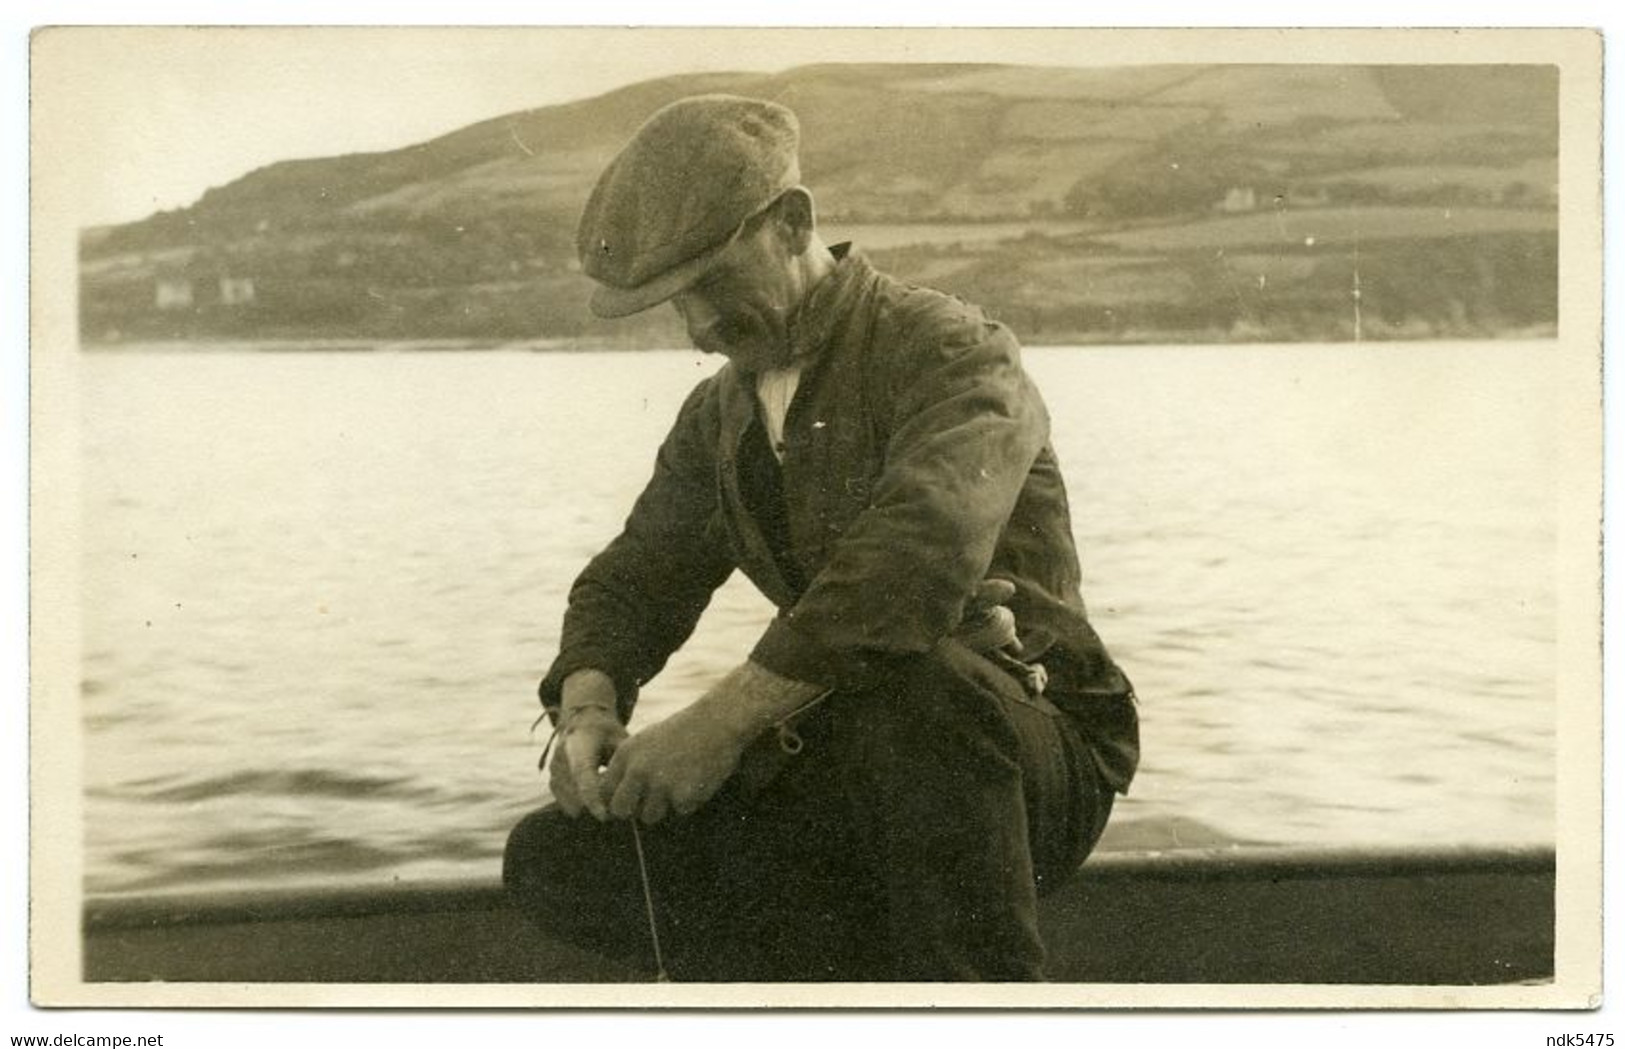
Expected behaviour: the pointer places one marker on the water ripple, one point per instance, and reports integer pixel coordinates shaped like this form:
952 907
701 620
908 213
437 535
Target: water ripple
296 783
1339 612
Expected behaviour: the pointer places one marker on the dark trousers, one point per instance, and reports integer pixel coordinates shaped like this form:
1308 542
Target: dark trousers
908 839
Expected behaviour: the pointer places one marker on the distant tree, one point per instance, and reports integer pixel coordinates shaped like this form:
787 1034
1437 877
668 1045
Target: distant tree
1168 181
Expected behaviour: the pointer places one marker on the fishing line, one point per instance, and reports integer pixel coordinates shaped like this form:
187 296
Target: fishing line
792 743
649 904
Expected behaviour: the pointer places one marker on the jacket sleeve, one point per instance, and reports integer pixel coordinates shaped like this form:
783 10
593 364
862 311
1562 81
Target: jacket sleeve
965 426
638 600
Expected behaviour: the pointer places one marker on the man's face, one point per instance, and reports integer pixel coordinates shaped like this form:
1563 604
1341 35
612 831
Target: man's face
741 307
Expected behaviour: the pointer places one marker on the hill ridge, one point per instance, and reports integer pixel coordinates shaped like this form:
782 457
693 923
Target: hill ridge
1017 187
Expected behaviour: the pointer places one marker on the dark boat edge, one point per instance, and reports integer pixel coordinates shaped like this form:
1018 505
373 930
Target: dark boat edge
1440 916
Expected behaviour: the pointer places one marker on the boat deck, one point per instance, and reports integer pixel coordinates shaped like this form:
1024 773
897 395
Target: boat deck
1224 915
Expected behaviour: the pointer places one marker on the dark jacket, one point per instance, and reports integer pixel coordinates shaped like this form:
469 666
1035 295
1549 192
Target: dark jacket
917 464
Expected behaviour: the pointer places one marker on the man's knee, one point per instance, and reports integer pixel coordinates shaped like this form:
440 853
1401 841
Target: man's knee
947 705
530 845
552 859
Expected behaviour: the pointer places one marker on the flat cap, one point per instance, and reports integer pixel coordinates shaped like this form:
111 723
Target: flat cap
677 194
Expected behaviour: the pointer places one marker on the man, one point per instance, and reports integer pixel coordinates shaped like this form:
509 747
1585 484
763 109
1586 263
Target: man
930 732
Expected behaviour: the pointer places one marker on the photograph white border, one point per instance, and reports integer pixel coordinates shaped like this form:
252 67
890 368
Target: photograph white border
54 620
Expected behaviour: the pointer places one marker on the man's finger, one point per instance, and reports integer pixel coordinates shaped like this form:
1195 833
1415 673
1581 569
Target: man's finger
564 788
584 763
592 794
687 806
597 796
610 782
994 628
991 592
655 807
628 793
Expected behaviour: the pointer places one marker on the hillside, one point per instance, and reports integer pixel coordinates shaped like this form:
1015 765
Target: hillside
1190 202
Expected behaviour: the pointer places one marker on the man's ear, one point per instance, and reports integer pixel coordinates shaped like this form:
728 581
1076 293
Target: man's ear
798 219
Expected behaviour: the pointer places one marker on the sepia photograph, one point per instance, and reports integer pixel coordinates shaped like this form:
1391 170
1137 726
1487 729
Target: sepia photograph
592 517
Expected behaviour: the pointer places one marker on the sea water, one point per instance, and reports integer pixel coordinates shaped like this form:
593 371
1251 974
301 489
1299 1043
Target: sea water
318 590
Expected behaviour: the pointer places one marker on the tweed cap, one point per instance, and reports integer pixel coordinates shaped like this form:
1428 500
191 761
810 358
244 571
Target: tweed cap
678 193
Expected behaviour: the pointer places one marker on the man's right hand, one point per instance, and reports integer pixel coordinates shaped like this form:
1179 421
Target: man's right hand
589 733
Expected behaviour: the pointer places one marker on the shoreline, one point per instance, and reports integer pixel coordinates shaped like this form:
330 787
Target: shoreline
1078 340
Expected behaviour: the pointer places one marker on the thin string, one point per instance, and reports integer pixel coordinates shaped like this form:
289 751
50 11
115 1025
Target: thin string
649 904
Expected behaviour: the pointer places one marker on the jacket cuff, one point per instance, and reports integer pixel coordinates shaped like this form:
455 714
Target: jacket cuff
789 653
551 689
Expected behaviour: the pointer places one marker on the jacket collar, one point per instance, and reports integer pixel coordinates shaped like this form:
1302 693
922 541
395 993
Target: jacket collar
814 321
811 328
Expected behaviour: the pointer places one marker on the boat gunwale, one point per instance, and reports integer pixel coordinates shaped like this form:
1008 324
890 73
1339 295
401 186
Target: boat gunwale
110 912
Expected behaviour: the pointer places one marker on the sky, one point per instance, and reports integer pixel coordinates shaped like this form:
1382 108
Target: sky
150 128
143 119
163 114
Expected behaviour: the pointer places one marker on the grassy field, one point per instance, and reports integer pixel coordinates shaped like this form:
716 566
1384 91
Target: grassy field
1419 141
1089 120
885 236
1279 94
1290 230
1262 230
1076 202
1538 174
1113 82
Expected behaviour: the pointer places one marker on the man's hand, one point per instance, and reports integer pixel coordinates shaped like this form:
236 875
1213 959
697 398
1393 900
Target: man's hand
589 733
672 767
987 624
676 766
587 741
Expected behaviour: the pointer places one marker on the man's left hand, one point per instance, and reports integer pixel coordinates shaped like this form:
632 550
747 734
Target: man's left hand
675 766
672 767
